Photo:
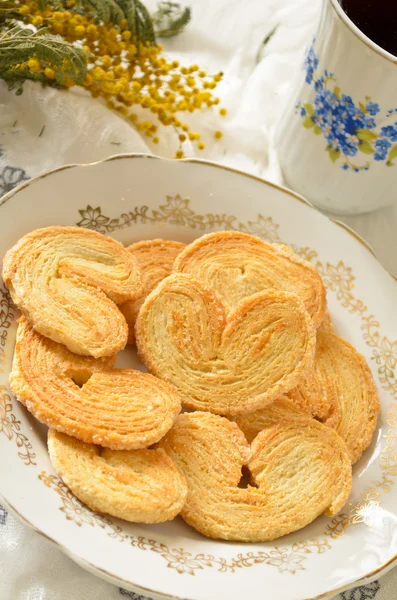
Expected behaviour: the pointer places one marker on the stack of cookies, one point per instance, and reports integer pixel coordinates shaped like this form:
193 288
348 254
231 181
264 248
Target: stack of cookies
233 330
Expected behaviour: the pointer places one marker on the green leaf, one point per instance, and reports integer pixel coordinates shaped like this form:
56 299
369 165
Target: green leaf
114 11
309 109
270 35
333 154
171 18
366 147
308 122
104 10
317 130
362 107
18 44
366 135
8 12
263 44
337 92
55 4
392 152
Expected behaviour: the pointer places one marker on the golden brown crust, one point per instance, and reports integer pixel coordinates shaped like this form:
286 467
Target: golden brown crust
299 470
311 397
280 410
350 392
86 398
340 393
237 265
66 281
327 325
155 259
227 364
142 486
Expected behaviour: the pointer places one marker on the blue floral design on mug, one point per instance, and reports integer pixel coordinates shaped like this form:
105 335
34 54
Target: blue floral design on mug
348 128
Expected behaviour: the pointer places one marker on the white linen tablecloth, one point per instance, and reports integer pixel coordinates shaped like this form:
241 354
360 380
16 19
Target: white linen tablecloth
45 128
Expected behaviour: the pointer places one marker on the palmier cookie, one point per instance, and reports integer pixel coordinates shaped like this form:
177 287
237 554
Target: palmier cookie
349 399
142 486
67 282
86 398
237 265
224 363
311 397
327 325
298 471
155 259
340 393
280 410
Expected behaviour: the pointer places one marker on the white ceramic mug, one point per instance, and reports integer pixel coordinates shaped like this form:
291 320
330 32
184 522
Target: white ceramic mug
338 139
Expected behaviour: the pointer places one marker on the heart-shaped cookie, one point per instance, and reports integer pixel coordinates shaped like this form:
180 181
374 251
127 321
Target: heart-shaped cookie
299 470
67 282
88 399
224 363
155 259
142 486
340 392
237 265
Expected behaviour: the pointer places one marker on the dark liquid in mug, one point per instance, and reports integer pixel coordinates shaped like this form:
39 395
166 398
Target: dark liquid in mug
377 19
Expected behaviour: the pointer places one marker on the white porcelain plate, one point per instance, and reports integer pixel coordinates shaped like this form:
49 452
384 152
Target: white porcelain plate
139 197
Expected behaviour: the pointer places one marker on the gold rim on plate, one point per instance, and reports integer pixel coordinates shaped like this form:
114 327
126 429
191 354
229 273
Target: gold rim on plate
90 567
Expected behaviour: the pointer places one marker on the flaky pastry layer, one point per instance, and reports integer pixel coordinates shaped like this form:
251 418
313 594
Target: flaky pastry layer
349 394
142 486
155 259
224 363
237 265
88 399
340 392
67 282
299 469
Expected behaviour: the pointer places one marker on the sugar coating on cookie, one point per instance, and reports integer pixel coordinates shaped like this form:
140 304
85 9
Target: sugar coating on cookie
237 265
350 392
327 325
155 259
340 392
282 409
67 282
298 469
87 398
142 486
311 397
226 363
